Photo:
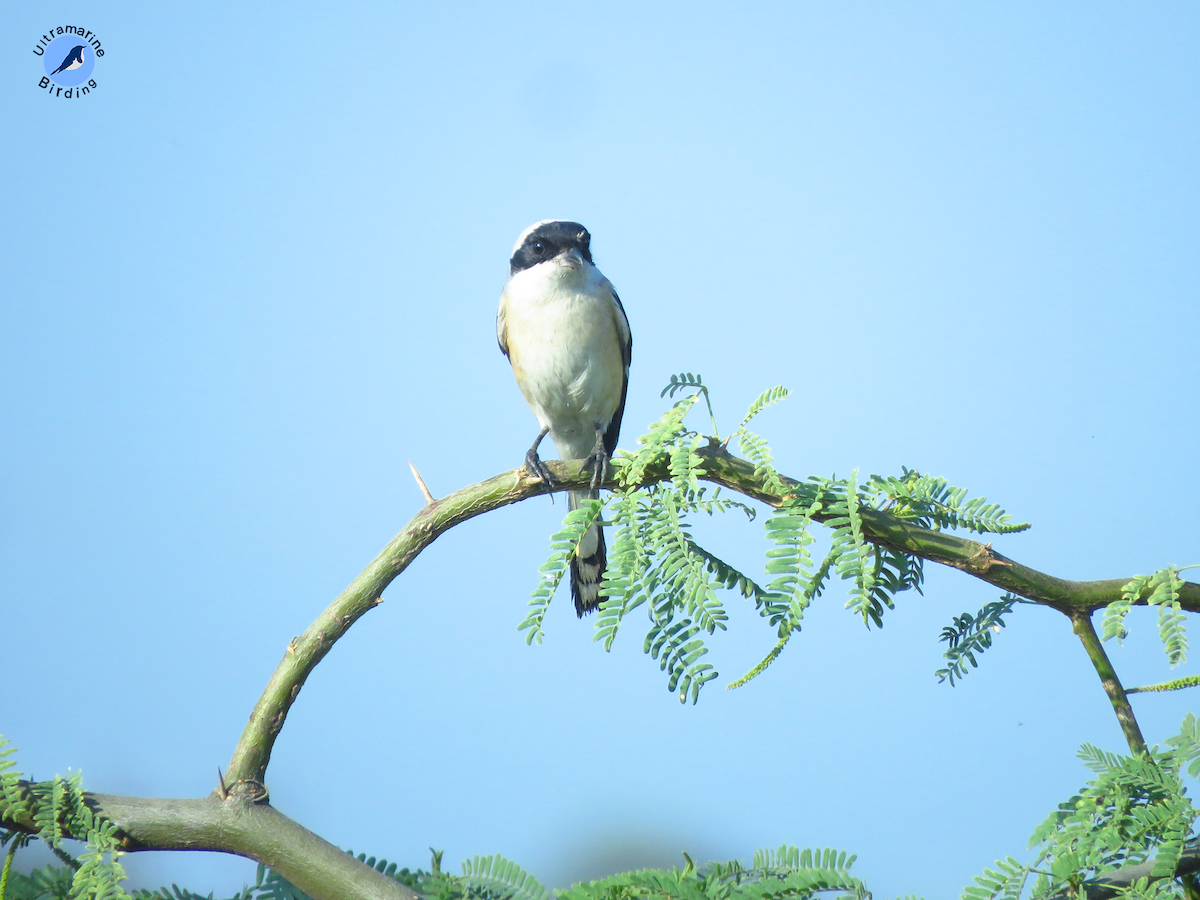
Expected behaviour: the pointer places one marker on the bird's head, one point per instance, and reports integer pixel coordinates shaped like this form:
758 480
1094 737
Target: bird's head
555 242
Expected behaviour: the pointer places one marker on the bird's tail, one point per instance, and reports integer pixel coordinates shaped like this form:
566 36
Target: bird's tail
587 565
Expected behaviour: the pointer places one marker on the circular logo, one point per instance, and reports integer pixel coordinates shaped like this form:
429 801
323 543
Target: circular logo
68 56
69 60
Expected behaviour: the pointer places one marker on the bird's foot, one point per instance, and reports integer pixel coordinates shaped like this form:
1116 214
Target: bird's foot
598 460
535 467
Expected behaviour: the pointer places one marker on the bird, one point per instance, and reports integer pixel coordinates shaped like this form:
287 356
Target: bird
73 60
564 330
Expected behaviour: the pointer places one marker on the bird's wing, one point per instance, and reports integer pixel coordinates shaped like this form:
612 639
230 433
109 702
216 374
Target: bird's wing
626 338
622 323
502 325
70 58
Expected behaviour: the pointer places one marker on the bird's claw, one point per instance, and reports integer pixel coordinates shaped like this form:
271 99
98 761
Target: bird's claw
598 460
537 468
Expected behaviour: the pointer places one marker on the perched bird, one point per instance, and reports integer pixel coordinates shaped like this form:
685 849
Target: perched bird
563 328
73 60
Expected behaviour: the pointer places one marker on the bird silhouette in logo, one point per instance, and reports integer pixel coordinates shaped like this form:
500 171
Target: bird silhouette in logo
73 61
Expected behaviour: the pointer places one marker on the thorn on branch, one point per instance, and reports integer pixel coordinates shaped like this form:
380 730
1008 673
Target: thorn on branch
221 789
421 484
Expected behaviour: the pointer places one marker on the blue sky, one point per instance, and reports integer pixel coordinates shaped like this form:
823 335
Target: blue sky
256 270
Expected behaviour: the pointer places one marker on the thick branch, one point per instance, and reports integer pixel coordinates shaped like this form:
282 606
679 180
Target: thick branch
253 751
254 830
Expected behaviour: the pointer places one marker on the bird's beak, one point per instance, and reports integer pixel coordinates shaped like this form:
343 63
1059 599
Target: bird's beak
570 259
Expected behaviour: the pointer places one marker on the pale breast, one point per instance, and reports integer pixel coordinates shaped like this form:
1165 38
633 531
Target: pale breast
565 351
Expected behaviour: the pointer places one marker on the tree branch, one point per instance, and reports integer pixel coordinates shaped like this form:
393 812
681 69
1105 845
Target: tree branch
1111 884
253 752
237 817
254 830
1082 623
973 557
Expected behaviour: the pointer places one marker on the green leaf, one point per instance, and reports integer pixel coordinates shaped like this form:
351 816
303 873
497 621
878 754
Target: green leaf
969 635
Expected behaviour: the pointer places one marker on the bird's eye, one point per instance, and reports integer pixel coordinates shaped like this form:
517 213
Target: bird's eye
539 248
